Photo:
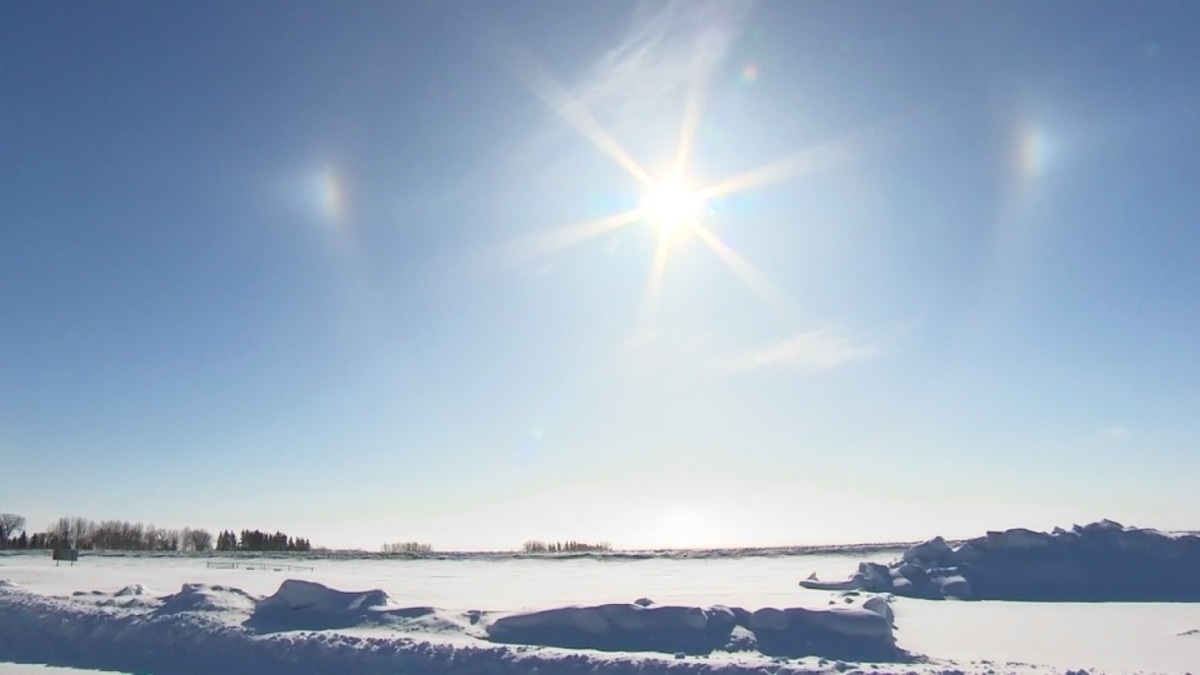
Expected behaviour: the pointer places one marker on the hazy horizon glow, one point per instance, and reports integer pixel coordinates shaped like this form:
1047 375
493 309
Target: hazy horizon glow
663 274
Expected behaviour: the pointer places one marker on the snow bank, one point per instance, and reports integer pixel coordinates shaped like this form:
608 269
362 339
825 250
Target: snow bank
855 633
843 633
203 598
206 629
306 605
619 627
1102 561
297 595
973 637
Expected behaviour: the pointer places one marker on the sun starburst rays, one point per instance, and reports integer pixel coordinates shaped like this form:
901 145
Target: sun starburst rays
751 277
824 157
653 291
538 79
544 243
691 118
669 205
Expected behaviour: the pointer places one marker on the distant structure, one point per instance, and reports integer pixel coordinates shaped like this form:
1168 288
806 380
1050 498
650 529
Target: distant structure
68 554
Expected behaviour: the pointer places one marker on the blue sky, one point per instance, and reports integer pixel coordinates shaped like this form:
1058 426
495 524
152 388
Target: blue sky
370 272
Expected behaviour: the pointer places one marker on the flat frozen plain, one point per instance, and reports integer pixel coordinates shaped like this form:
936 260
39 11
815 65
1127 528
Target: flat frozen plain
971 636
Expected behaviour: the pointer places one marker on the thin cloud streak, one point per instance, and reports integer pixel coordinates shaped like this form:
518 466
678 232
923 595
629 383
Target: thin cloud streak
821 349
664 51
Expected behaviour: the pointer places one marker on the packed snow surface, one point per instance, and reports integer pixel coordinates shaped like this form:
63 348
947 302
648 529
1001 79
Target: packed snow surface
167 615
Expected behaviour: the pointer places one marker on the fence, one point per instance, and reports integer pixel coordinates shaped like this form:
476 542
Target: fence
262 566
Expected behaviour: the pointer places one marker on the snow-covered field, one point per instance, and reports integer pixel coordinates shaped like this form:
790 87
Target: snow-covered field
969 636
39 669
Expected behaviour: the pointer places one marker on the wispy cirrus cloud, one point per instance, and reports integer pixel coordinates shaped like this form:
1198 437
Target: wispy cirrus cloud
821 349
668 47
631 96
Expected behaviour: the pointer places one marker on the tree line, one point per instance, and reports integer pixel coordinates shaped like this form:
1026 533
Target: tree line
122 535
255 540
572 546
407 548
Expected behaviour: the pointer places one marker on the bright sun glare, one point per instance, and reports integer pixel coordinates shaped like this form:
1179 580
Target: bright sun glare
672 206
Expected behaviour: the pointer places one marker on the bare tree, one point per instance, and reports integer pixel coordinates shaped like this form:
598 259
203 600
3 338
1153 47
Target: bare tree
81 531
153 537
9 523
408 547
196 540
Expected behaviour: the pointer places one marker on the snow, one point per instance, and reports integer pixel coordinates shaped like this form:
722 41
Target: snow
1099 562
498 583
1096 636
300 604
177 615
853 632
41 669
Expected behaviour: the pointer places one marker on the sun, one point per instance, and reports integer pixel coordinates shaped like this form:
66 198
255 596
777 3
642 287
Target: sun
676 210
672 206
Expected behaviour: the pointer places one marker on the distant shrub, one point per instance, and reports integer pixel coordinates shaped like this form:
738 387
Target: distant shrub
409 547
535 546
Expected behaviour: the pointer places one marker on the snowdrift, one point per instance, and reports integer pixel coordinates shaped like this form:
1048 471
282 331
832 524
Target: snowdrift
855 633
619 627
306 628
305 605
1103 561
